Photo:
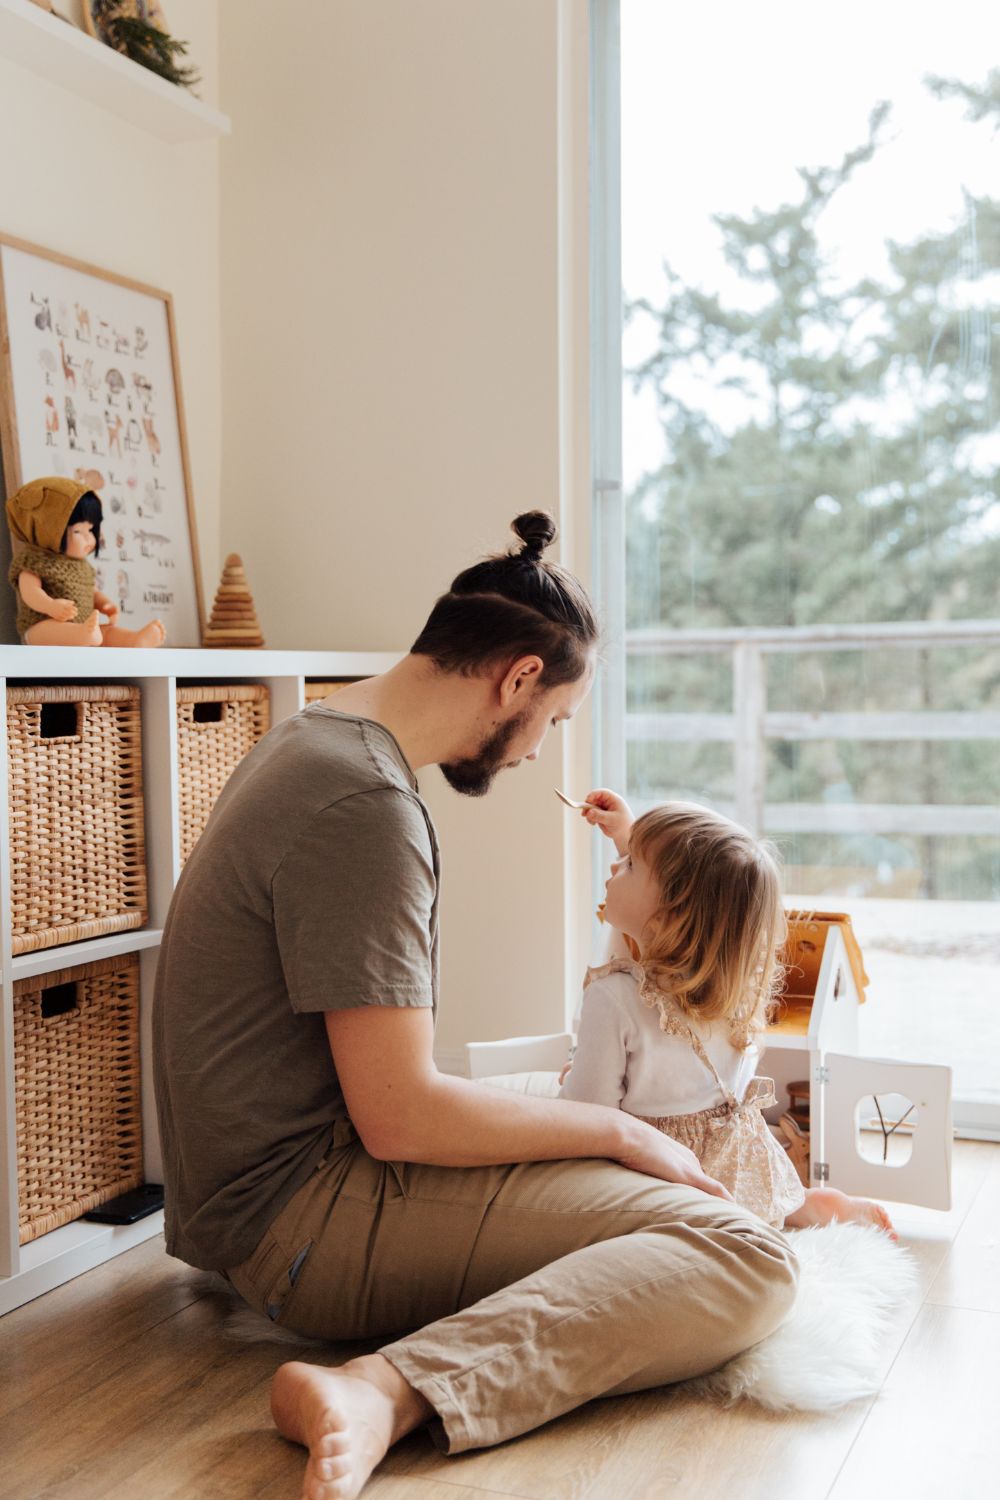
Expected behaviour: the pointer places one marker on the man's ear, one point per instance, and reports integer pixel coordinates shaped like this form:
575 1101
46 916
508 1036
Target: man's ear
519 680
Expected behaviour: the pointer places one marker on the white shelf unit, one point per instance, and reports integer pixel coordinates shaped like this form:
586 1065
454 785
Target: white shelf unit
63 54
28 1270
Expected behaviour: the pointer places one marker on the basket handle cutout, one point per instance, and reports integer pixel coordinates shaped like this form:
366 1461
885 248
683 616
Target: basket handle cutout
60 721
59 1000
206 713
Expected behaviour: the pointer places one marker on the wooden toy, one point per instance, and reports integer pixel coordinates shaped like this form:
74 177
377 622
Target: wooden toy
234 620
816 1032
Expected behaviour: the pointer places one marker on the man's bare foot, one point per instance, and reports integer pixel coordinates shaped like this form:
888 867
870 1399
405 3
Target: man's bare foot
824 1205
347 1417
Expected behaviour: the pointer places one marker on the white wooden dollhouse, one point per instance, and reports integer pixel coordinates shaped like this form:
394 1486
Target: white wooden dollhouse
854 1101
815 1036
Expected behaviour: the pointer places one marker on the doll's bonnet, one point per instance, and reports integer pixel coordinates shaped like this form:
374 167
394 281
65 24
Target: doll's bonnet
38 512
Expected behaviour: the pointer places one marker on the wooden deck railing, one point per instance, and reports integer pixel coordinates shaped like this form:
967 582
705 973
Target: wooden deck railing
751 724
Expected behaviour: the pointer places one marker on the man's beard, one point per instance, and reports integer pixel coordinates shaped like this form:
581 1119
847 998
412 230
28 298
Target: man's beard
475 776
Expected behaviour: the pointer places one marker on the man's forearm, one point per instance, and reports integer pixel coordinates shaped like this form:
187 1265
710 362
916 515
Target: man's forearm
451 1122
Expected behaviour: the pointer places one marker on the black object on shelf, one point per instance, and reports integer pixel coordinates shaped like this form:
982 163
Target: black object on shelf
129 1208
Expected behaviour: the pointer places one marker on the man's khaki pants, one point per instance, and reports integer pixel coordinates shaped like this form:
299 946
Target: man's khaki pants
533 1288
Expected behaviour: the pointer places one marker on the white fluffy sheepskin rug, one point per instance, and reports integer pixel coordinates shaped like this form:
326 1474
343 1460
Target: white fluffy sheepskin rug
853 1282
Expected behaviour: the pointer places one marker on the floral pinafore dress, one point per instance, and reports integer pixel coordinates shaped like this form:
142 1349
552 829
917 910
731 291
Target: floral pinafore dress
731 1140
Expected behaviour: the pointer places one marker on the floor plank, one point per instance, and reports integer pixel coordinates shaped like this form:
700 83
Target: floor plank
146 1288
658 1444
969 1275
151 1397
933 1429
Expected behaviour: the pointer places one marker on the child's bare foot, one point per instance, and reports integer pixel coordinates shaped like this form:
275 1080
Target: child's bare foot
824 1205
348 1418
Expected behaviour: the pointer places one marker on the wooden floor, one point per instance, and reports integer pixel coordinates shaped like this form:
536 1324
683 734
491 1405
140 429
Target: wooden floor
120 1386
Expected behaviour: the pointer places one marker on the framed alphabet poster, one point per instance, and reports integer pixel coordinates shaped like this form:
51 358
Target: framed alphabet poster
90 389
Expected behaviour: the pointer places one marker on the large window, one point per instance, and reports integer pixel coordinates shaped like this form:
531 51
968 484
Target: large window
809 523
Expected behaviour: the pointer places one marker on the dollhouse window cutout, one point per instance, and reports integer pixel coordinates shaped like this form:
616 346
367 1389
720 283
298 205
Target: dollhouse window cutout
884 1124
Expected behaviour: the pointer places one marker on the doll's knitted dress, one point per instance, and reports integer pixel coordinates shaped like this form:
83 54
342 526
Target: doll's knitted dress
62 577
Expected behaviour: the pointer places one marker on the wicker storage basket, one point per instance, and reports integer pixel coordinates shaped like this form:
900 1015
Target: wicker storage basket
317 690
76 1091
216 725
78 857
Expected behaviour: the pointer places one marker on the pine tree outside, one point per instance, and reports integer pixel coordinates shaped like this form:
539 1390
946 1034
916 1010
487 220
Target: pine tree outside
809 440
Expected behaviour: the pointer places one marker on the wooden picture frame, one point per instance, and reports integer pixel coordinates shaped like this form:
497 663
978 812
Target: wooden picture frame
90 387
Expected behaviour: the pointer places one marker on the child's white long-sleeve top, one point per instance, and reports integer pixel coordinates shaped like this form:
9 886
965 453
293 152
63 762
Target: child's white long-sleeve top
625 1060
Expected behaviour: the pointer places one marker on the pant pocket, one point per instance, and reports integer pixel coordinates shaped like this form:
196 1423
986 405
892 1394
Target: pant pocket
279 1294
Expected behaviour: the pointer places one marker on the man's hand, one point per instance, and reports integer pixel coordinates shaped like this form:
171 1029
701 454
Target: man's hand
611 814
659 1155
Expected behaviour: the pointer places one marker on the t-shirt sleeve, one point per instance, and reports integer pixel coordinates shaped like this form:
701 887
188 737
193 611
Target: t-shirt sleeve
353 902
598 1074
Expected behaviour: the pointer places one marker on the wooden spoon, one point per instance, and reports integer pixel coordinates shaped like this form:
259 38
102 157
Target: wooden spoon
569 800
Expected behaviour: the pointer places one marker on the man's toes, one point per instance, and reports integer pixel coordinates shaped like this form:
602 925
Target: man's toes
334 1446
326 1470
332 1465
335 1440
333 1487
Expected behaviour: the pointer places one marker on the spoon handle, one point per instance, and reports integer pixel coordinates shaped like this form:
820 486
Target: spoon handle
568 800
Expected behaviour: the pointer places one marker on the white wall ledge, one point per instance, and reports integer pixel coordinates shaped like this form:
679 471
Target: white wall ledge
64 55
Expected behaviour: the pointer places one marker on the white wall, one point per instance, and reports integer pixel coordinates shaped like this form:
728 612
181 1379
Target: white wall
78 179
393 343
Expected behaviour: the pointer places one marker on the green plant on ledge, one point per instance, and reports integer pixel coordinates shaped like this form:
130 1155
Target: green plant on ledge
136 37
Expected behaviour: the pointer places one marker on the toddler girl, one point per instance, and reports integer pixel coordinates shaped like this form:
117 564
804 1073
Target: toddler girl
668 1032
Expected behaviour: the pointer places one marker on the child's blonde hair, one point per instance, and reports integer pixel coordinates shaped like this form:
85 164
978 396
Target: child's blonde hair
713 943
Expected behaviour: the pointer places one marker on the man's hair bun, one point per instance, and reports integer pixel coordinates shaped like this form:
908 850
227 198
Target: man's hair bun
513 604
537 530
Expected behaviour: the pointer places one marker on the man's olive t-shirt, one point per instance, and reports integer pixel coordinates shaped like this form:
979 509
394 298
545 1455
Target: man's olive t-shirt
314 887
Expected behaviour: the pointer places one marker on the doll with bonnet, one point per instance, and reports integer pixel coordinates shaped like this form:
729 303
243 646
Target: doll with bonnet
58 523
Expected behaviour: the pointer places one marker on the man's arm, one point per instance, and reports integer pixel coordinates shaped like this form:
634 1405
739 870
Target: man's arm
405 1110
